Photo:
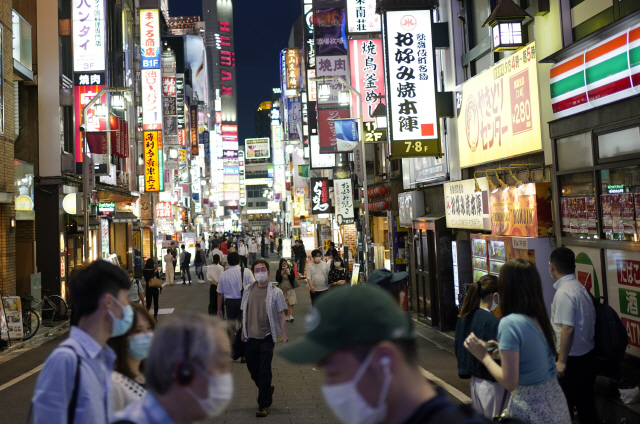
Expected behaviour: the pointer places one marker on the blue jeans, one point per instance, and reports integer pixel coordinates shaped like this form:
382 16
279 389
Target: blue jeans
199 273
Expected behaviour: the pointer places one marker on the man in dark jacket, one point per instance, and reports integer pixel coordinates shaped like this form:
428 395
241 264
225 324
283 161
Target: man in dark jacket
185 261
300 255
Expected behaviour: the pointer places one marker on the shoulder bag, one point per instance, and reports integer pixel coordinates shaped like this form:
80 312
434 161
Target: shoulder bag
154 283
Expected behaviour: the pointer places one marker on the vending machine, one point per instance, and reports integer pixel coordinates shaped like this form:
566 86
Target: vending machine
479 256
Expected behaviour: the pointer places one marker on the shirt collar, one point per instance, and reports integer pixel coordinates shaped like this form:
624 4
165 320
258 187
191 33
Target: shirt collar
88 343
563 280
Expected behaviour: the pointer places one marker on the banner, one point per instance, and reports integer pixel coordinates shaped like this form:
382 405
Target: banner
116 136
499 111
327 129
522 212
343 195
97 142
346 134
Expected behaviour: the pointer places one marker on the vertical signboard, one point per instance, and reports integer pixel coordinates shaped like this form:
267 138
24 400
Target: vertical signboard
292 62
193 127
278 145
151 99
89 35
180 101
413 123
337 66
320 200
153 170
86 87
327 128
150 38
330 36
367 75
362 16
243 188
344 201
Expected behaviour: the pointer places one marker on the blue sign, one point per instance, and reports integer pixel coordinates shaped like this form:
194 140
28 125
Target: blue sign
346 134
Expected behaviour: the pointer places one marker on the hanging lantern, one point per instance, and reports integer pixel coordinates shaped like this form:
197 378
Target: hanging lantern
506 26
344 97
324 91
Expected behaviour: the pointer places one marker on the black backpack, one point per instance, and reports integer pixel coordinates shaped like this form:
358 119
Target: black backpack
187 258
611 337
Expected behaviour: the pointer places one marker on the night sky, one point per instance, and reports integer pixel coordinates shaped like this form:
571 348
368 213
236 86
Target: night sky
261 30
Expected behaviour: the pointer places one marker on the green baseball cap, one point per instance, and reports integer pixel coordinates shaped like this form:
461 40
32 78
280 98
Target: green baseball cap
349 316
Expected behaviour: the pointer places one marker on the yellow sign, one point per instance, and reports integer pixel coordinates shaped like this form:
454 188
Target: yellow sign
69 203
182 152
499 111
24 203
152 165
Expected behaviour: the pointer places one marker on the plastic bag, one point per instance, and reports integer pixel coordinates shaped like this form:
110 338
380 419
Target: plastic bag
630 395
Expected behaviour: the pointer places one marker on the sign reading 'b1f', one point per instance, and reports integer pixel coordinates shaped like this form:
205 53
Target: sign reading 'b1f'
413 122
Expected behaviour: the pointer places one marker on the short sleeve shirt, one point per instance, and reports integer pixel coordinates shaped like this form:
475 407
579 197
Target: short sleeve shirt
572 306
520 333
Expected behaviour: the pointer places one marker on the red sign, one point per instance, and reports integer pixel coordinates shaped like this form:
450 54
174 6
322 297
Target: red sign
169 86
163 210
116 136
182 137
377 206
326 128
377 191
124 138
628 272
367 75
97 141
81 96
633 331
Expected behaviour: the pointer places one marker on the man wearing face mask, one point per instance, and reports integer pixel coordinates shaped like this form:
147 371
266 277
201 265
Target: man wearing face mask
188 373
371 373
317 276
263 324
75 382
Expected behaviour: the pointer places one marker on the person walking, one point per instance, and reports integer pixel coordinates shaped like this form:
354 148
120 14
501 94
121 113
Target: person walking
152 293
263 324
331 252
285 280
174 253
243 252
185 263
370 365
264 252
300 255
339 273
188 374
136 293
526 348
214 272
253 250
169 267
74 385
223 246
131 349
487 396
217 251
199 261
232 283
317 276
573 317
272 244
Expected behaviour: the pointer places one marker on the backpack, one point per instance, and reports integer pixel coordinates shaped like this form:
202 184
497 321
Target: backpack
611 338
187 258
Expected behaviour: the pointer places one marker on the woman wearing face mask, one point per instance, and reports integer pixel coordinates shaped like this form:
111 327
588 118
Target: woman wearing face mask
131 350
317 273
233 247
487 396
284 278
152 293
339 273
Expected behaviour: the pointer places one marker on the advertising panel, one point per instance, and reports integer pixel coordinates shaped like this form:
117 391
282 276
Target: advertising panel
522 212
623 289
153 171
163 210
362 16
333 66
343 195
82 94
320 200
292 66
589 269
367 74
278 145
293 118
150 38
257 148
499 114
151 99
320 160
413 122
12 306
327 128
242 180
89 35
193 126
466 208
330 32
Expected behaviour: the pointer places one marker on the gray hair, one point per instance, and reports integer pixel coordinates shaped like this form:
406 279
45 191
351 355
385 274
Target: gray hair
168 347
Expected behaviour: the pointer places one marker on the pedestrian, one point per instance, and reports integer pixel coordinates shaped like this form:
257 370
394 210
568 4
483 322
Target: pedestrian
317 276
152 293
169 266
74 384
232 283
199 261
263 324
487 396
300 255
272 244
370 366
234 247
223 246
332 252
253 250
174 253
188 373
185 263
264 247
136 293
243 252
285 280
526 348
214 272
393 282
216 251
573 317
131 349
339 274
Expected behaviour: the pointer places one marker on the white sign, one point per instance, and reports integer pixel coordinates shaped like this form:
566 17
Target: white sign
464 208
320 160
411 93
241 178
150 38
278 144
337 66
343 201
362 16
89 35
257 148
151 99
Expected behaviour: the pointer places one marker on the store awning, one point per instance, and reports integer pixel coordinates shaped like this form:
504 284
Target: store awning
94 224
123 217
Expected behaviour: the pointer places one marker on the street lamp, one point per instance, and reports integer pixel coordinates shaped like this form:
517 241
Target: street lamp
324 90
344 97
380 115
506 26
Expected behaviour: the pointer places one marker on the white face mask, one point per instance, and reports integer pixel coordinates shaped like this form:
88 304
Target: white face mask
495 303
285 266
317 260
348 404
261 277
219 393
337 264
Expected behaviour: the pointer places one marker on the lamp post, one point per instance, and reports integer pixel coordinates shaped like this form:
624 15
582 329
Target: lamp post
365 226
86 184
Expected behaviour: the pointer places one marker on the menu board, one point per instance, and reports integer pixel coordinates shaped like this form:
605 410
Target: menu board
579 215
3 319
13 316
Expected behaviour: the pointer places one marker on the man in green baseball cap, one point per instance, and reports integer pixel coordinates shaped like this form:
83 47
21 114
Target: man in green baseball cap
366 347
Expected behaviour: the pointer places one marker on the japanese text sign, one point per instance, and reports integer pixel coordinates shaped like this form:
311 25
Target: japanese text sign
320 200
623 289
499 111
521 211
89 35
367 74
330 66
292 66
413 123
343 196
466 208
362 16
329 27
193 122
163 210
81 96
150 38
151 99
153 172
278 145
169 86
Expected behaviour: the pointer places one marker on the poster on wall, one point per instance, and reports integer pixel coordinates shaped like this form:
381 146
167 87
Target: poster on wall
623 290
589 269
521 211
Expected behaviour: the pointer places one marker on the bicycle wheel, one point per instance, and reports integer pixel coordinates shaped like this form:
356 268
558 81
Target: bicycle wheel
30 323
60 308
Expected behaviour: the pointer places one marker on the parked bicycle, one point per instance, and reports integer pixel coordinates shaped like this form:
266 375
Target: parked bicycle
30 323
52 308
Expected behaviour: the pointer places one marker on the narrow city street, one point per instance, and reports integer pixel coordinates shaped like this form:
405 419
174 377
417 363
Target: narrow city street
297 397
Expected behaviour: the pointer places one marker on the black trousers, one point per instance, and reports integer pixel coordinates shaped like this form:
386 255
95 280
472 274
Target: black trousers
259 354
301 263
577 385
233 310
153 293
185 272
213 300
316 295
244 259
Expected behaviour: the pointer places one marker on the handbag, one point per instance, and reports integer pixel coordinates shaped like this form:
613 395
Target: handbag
502 416
237 347
295 283
154 283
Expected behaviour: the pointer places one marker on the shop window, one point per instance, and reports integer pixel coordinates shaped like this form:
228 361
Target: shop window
567 147
620 202
578 206
619 143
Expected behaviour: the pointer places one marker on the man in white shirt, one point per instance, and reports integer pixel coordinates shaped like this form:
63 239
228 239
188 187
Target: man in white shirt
243 252
231 286
216 251
253 250
573 317
317 276
214 272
